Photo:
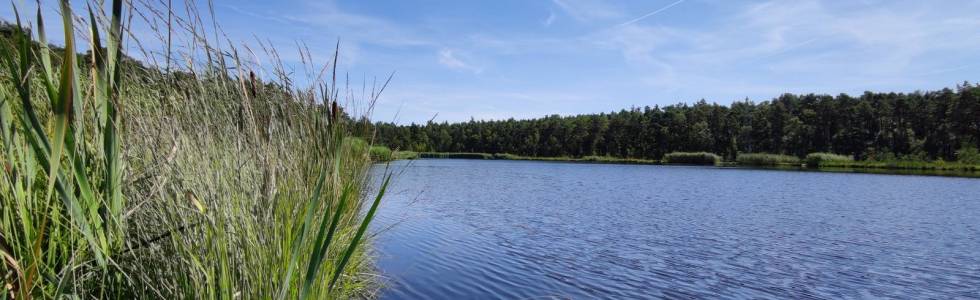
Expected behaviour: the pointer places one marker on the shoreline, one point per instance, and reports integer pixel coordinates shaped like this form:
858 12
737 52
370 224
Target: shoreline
921 168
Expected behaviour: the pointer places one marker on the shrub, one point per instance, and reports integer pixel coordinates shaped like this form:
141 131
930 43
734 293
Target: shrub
380 153
766 159
968 155
816 160
357 144
456 155
691 158
506 156
405 155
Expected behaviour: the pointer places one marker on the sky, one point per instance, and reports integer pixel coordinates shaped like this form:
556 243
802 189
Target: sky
460 60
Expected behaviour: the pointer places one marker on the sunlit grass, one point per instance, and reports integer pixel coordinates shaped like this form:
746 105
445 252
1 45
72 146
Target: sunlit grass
381 153
766 159
821 159
124 181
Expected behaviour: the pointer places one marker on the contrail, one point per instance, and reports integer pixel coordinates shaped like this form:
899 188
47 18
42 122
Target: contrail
652 13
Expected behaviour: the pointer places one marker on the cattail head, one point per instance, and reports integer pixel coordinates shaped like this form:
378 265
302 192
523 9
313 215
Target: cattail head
335 112
251 82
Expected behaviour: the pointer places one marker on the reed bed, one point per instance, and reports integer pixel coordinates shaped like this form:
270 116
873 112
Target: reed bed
195 179
691 158
766 159
381 153
397 155
821 159
508 156
902 165
456 155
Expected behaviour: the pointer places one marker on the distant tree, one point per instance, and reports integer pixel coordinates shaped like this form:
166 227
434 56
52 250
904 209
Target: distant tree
930 125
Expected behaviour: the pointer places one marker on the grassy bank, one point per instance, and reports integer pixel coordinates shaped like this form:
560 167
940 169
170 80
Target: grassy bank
815 161
901 165
691 158
402 155
174 181
766 159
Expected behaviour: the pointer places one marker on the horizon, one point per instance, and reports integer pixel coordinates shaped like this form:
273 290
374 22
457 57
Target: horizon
687 103
172 149
454 62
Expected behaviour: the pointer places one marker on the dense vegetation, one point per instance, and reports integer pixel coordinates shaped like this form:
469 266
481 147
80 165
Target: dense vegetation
874 126
814 160
766 159
691 158
191 180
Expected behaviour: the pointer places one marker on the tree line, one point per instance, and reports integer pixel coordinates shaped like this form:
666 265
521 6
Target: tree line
920 126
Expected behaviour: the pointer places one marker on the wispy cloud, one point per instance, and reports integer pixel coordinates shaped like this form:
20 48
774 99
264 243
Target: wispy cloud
460 104
662 9
450 59
531 60
588 10
366 29
550 20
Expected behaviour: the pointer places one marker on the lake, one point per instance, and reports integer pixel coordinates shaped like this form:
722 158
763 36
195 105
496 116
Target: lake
478 229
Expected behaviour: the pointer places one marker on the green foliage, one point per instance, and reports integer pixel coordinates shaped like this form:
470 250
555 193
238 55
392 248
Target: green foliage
456 155
357 144
927 125
124 181
381 153
820 159
508 156
405 155
692 158
766 159
968 155
61 190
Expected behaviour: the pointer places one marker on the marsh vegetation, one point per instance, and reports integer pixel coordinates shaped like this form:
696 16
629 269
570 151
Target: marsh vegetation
192 178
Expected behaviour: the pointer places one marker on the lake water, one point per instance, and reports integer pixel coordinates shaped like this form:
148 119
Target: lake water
474 229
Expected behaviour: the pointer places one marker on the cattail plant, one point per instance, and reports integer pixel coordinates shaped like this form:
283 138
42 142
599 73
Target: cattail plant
195 179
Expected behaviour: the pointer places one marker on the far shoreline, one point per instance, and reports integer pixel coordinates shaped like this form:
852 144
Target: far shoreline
915 168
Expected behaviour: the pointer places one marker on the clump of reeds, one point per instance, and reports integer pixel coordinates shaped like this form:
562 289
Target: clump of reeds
506 156
463 155
405 155
381 153
766 159
820 159
691 158
179 181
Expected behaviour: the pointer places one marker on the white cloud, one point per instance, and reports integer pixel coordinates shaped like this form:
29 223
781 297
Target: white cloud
872 40
457 104
329 17
550 20
450 59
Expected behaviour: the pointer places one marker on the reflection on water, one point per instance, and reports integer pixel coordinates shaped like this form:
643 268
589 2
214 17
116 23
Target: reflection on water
454 229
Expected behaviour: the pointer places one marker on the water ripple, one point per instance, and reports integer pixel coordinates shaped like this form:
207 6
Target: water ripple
457 229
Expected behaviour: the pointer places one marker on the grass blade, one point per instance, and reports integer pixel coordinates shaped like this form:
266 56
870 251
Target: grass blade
360 232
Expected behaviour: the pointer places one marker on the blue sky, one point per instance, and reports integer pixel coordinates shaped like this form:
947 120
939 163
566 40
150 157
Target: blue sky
521 58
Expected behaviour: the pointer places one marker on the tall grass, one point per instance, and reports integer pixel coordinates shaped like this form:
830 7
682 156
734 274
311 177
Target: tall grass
404 155
200 181
691 158
766 159
456 155
821 159
381 153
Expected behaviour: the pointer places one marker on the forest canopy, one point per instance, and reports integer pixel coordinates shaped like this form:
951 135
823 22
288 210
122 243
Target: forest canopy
919 126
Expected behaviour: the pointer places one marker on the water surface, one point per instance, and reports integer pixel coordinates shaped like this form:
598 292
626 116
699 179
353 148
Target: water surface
474 229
